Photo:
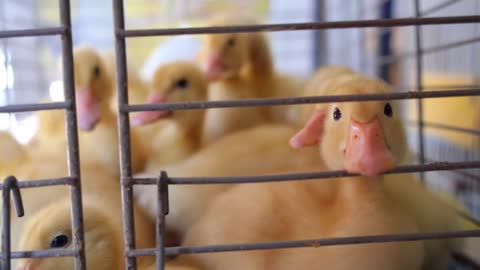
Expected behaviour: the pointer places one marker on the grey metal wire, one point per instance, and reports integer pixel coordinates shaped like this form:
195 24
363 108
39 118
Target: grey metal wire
298 100
124 135
434 166
299 26
73 180
78 241
315 243
10 185
419 80
126 175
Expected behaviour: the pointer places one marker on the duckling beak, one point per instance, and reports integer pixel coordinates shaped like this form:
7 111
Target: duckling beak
26 266
88 109
214 67
147 117
366 152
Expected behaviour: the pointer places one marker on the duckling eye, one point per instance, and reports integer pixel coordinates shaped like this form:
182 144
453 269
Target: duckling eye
96 71
182 83
387 110
59 241
337 114
231 42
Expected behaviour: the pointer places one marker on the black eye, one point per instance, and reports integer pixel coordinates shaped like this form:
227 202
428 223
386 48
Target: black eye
182 83
231 42
59 241
337 114
96 71
388 111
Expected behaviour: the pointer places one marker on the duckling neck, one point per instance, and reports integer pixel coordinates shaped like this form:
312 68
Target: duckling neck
260 66
107 116
359 188
192 127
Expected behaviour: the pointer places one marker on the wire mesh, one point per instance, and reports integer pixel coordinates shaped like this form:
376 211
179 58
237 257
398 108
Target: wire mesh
73 180
124 108
162 182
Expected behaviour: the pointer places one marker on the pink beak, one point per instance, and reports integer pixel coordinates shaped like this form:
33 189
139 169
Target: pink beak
147 117
88 109
367 152
27 266
214 67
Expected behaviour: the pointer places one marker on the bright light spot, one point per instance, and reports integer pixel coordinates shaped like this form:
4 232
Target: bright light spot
3 77
6 74
56 91
10 77
24 130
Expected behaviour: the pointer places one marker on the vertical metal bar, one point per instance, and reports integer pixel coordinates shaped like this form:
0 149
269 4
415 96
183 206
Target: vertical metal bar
124 134
162 210
419 78
6 252
72 136
319 37
10 184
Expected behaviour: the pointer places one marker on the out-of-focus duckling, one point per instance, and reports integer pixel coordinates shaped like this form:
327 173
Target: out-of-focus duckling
99 139
258 150
174 82
50 228
224 58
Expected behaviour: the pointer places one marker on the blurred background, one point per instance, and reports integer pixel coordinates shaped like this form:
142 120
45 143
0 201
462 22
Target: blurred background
29 72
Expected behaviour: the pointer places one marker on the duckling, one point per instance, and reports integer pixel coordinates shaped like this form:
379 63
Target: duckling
358 137
50 138
257 150
224 57
179 81
50 228
405 189
12 154
99 139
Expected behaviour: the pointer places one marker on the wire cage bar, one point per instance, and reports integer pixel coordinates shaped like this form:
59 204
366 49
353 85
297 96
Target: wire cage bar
163 180
124 109
73 180
419 80
124 136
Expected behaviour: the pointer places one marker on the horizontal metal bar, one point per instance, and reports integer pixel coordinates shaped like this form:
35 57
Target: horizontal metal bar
299 26
45 182
44 253
447 127
34 107
438 7
172 251
435 166
297 100
32 32
439 48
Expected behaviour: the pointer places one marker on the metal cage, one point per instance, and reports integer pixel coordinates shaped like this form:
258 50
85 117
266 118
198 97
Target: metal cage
163 180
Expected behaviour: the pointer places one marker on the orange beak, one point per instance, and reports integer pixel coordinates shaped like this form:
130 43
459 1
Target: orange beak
367 152
88 109
147 117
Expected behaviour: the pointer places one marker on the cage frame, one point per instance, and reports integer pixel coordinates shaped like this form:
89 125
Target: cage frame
163 180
